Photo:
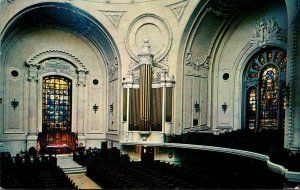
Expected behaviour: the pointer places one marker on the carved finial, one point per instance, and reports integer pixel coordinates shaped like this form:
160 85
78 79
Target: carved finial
146 46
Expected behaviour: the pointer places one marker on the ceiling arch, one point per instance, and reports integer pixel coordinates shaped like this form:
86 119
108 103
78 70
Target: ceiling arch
67 16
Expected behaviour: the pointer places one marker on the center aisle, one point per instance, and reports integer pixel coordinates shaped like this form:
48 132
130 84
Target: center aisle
76 172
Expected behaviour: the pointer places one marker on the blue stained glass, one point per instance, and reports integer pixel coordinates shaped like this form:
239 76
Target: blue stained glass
50 101
269 74
56 103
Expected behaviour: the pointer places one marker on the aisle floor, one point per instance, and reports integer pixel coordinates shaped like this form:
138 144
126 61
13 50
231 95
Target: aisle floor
81 180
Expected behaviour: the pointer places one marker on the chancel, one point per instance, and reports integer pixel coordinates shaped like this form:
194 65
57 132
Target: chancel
150 94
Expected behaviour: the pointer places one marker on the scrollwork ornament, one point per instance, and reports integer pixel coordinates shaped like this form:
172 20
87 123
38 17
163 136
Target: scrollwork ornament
196 64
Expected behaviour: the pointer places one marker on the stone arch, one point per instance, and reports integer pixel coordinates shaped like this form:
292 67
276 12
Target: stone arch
78 20
39 57
90 32
34 63
240 65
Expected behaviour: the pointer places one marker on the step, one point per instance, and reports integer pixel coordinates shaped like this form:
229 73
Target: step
74 168
75 172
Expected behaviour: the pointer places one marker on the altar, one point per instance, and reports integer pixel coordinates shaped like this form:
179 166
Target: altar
57 149
57 142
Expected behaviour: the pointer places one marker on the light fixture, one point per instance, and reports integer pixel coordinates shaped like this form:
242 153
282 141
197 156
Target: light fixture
197 108
170 155
14 104
111 107
95 108
224 107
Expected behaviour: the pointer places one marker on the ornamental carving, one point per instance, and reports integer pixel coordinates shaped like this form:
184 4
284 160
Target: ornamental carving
37 58
146 59
178 8
196 64
114 16
33 73
57 61
81 78
113 70
160 70
264 31
225 8
58 66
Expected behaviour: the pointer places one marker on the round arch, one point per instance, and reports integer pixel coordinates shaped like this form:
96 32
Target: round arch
71 17
241 63
82 28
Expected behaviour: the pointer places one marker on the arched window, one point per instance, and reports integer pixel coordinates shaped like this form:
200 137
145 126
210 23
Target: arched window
265 78
57 94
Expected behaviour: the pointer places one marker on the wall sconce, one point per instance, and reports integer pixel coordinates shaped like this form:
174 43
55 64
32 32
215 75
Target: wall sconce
224 107
111 107
170 155
95 108
14 104
197 107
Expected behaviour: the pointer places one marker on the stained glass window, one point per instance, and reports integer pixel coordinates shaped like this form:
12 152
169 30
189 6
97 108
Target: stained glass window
269 98
57 94
264 82
251 107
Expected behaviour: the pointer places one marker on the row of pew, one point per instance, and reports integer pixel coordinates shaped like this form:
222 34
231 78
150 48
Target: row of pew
199 169
33 172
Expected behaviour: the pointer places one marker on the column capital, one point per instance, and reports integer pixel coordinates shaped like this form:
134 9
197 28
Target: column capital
32 72
81 77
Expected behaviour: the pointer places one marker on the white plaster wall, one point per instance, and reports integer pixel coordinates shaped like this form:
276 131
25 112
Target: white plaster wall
33 41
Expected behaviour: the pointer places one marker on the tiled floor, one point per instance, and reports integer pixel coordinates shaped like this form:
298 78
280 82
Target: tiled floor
81 180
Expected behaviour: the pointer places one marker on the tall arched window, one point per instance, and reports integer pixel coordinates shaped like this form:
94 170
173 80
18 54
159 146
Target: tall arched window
57 94
265 78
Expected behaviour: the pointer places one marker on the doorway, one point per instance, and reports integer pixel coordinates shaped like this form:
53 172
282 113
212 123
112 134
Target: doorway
147 154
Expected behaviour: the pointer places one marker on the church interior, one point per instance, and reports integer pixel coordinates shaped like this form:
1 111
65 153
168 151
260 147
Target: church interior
169 94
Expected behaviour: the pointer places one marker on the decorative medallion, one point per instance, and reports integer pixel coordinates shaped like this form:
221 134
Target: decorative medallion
154 28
